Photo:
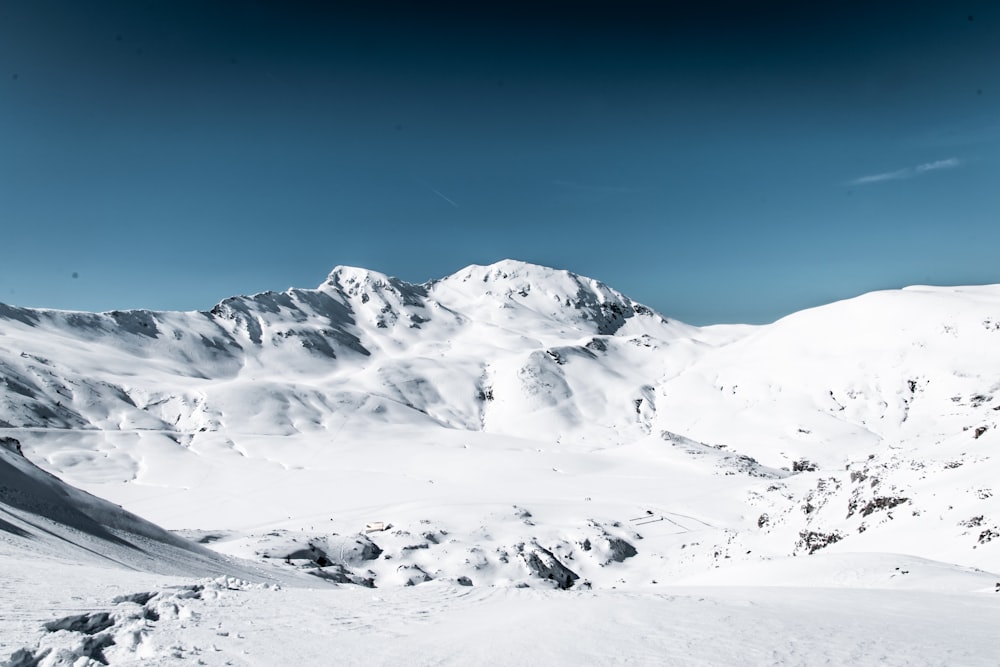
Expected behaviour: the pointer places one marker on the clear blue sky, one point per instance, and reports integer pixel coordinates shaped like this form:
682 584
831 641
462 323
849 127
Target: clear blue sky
719 161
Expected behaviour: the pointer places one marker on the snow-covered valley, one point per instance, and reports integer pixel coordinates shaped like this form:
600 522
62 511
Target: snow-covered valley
549 471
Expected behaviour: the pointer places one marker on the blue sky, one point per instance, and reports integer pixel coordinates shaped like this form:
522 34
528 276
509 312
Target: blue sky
721 162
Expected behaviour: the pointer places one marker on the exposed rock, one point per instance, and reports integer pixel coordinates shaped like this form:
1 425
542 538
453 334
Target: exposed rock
366 549
813 541
988 535
620 549
804 465
88 624
414 574
11 444
881 504
544 565
342 575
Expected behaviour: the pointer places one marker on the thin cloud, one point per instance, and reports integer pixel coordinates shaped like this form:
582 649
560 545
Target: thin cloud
908 172
437 192
444 197
939 164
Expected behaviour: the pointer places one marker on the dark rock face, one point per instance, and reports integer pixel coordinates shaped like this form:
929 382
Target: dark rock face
803 465
813 541
11 444
88 624
881 504
342 575
368 549
620 549
544 565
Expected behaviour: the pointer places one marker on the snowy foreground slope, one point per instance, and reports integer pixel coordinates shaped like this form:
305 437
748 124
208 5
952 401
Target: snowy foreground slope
561 473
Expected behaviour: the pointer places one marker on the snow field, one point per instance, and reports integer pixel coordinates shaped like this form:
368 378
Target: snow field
566 477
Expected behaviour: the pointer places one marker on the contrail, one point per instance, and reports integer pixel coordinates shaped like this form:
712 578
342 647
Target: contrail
908 172
438 193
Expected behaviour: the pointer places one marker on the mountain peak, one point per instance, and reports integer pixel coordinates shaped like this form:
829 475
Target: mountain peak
344 276
556 295
509 269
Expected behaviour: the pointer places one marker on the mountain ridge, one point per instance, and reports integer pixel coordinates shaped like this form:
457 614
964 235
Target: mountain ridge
855 425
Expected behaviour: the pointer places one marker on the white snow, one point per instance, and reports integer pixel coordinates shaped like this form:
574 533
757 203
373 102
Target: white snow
821 489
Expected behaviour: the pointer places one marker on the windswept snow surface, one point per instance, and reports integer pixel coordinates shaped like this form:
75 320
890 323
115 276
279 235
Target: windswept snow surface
557 474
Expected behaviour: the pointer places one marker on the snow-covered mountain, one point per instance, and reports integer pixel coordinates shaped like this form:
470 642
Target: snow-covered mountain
468 352
514 425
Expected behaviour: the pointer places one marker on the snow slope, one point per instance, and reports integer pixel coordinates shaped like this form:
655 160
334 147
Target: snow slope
519 426
40 513
227 622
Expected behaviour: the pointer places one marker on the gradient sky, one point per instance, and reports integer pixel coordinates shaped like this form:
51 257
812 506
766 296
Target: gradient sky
718 161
